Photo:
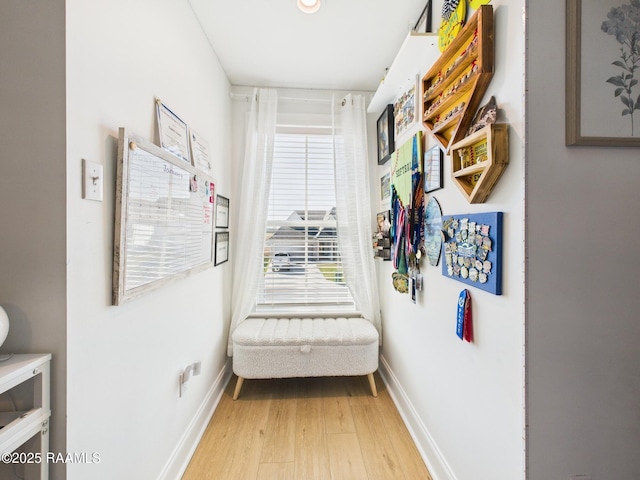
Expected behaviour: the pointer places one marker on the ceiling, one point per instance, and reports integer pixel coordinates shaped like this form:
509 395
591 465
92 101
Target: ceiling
346 45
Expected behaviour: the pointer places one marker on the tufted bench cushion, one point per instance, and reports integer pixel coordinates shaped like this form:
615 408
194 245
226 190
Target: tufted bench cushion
304 347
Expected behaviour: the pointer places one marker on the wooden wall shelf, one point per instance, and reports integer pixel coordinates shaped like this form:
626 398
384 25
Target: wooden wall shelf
479 160
452 89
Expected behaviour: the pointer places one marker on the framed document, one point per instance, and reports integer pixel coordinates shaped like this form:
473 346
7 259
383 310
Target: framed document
222 247
433 174
172 132
222 212
199 152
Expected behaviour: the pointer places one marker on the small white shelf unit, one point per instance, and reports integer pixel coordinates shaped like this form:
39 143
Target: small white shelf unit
27 376
418 52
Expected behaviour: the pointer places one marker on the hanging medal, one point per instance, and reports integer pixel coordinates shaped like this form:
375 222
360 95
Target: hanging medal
464 320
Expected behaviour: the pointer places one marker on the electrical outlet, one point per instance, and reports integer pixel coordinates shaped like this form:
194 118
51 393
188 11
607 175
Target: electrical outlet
183 387
184 378
92 181
189 371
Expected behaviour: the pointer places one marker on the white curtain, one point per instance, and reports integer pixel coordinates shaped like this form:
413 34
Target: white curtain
253 191
353 206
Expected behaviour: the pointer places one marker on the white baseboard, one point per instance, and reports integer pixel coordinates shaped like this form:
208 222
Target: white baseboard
181 455
436 463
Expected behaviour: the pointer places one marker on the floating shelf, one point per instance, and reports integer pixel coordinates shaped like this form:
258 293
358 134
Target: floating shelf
479 160
452 89
417 53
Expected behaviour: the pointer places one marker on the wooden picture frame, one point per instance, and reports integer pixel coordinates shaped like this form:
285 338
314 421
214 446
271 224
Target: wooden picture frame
423 25
157 193
599 111
221 248
385 136
433 171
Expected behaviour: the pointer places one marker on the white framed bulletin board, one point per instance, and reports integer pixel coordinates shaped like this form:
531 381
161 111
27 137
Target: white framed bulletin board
164 219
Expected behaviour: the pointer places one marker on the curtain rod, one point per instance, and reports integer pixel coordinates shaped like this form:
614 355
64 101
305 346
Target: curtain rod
246 96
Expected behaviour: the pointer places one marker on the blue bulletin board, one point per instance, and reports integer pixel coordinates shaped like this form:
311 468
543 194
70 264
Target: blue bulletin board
472 250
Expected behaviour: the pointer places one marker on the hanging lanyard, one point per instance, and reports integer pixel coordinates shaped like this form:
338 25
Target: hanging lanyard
400 222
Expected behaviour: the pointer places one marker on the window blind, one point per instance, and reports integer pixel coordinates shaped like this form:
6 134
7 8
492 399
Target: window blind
302 263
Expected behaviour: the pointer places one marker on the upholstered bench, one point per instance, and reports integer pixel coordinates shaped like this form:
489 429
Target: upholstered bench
304 347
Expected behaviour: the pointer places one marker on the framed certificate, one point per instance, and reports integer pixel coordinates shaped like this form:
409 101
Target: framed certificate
199 152
172 132
222 212
222 248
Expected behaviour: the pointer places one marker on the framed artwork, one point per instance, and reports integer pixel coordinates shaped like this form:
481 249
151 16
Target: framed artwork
433 175
473 250
172 132
602 66
405 109
386 144
222 248
433 231
222 212
423 25
381 239
383 222
385 188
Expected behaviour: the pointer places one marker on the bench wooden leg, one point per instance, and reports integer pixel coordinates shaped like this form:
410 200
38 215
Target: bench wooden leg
236 392
372 384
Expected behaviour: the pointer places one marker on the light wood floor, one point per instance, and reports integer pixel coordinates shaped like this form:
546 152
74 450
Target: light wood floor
304 429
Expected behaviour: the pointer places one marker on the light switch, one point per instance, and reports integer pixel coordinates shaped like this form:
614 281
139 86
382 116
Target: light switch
92 180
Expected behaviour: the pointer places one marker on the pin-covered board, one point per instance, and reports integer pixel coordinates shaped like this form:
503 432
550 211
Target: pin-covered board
473 250
163 221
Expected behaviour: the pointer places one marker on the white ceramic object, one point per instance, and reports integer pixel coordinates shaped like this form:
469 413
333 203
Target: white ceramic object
4 325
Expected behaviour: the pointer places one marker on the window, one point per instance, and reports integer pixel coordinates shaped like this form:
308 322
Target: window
302 264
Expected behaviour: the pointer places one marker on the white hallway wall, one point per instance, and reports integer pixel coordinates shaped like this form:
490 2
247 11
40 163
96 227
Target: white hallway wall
582 288
464 401
124 361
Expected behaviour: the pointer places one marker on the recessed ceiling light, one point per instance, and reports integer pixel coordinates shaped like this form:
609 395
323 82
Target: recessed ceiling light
309 6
